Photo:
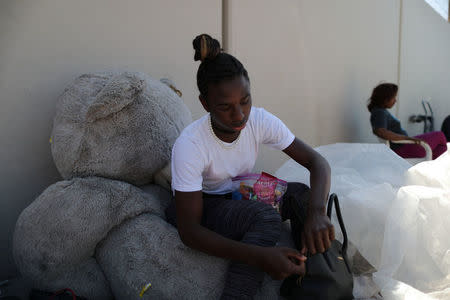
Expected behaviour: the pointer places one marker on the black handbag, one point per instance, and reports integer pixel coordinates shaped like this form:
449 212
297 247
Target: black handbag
328 275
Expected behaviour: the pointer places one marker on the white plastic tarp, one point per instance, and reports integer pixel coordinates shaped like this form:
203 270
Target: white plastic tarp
398 216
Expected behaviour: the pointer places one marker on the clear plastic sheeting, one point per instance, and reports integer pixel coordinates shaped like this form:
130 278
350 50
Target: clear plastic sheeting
396 215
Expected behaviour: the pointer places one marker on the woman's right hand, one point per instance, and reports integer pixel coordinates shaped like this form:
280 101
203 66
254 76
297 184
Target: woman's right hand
281 262
416 140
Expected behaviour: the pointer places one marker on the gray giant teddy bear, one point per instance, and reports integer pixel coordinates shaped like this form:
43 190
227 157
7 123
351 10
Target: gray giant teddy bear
102 231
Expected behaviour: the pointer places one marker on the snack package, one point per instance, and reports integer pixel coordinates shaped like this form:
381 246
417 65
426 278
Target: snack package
260 187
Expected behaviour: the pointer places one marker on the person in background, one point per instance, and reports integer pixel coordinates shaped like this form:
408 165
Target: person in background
387 127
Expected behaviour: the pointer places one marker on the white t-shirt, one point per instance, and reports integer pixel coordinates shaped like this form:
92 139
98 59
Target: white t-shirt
199 162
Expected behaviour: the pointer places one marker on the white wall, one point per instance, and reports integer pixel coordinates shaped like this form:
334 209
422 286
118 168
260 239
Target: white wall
45 44
425 64
314 63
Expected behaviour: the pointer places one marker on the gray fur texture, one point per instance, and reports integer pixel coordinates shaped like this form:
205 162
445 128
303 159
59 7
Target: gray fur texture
164 177
146 249
116 125
56 236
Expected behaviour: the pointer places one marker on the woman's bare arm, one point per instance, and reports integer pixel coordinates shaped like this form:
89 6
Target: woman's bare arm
392 136
273 260
318 231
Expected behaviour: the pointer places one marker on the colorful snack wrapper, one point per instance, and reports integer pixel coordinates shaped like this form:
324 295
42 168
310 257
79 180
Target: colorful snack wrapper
260 187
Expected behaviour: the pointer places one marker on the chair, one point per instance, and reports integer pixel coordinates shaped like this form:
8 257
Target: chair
413 161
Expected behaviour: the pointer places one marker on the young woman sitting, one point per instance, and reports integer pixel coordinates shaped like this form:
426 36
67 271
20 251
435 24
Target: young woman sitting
223 144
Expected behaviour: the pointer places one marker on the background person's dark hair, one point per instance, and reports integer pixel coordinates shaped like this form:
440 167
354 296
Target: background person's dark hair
216 66
381 94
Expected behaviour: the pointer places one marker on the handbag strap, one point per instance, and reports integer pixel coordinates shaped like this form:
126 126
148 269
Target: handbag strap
334 198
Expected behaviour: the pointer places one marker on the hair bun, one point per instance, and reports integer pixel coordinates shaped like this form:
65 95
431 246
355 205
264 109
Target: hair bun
206 47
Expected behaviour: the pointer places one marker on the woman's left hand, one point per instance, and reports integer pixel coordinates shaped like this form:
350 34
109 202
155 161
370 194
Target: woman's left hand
318 233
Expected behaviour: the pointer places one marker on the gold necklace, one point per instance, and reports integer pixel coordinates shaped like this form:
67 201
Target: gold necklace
226 146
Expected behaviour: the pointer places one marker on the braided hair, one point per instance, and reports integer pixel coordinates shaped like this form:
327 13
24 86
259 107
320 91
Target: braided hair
216 66
381 94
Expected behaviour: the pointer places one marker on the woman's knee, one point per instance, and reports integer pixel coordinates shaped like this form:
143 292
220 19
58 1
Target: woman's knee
296 188
264 224
263 213
297 194
442 138
433 139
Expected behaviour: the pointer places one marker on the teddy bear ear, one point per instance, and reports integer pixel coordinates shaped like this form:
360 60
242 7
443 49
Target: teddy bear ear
118 93
171 84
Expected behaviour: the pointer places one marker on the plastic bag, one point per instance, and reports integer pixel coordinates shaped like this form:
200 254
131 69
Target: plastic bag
260 187
396 215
